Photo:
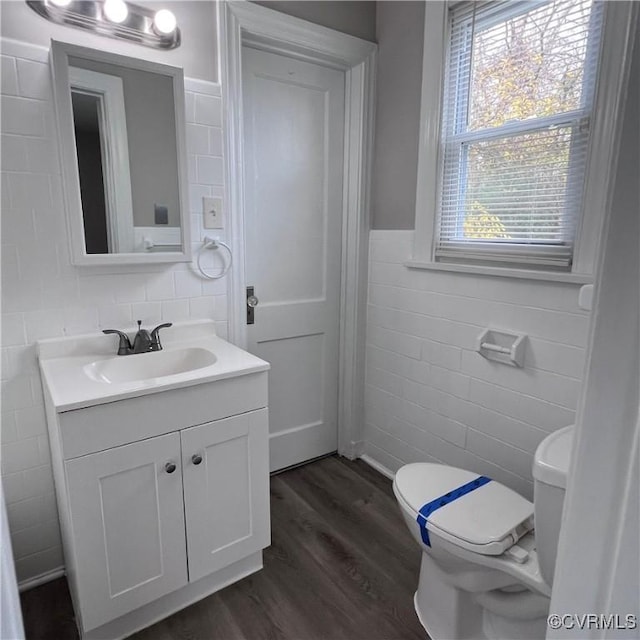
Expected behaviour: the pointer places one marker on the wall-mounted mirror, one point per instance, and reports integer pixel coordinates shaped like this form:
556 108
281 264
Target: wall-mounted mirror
122 141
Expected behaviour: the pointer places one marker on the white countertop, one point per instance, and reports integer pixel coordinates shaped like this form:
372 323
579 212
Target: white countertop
62 362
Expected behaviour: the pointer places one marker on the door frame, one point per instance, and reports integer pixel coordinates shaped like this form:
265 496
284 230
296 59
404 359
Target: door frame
114 147
243 23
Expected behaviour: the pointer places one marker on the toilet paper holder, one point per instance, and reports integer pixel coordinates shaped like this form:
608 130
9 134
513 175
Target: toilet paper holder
502 346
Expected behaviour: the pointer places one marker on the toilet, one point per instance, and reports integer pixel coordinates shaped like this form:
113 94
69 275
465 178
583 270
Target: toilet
485 573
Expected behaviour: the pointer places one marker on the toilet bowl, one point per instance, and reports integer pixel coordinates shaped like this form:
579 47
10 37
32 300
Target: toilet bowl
485 573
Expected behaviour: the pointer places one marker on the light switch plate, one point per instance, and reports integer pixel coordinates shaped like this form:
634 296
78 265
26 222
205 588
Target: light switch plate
212 212
160 214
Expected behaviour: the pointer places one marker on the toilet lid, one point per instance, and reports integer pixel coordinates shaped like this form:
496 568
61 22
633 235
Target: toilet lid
488 520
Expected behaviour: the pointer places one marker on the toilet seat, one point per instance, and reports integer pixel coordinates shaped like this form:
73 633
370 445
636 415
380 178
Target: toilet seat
488 520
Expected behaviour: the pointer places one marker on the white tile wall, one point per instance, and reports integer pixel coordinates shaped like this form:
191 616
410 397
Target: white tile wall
431 397
44 296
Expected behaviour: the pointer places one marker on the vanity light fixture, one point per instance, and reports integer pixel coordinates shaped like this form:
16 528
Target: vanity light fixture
116 10
164 21
115 19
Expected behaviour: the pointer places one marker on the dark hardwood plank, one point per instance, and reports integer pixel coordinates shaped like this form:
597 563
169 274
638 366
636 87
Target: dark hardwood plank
357 511
365 591
48 613
204 620
341 566
369 474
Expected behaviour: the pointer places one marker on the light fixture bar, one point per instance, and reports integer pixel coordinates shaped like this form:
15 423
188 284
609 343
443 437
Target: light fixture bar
138 26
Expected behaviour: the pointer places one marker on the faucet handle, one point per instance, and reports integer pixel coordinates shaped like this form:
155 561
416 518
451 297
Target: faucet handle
124 346
156 345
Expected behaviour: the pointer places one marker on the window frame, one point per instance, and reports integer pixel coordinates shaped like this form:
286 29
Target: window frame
609 92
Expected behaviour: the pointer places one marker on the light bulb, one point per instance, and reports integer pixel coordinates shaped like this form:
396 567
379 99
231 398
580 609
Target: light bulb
60 3
164 21
116 10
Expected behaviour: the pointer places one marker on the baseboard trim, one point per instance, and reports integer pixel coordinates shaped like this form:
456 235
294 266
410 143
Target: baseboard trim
306 442
357 447
380 468
43 578
304 463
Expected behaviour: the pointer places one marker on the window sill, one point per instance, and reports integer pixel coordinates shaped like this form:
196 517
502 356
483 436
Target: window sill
502 272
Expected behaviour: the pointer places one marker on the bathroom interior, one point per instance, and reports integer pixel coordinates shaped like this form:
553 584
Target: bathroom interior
407 408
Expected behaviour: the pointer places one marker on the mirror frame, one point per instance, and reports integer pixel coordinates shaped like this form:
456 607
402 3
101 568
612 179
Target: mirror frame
59 57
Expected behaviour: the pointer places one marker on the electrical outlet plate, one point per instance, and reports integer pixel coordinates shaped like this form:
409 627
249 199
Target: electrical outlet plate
212 212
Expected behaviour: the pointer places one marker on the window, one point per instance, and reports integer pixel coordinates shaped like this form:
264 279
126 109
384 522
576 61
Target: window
516 120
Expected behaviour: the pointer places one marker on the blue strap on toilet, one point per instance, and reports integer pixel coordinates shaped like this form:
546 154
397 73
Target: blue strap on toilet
444 500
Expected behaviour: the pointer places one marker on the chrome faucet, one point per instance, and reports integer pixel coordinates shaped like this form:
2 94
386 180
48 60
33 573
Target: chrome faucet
143 341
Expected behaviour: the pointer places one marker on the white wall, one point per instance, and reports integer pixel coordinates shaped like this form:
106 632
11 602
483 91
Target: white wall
197 19
430 397
355 17
399 33
605 478
43 295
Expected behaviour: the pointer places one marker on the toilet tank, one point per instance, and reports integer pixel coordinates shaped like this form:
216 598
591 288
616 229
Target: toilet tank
550 467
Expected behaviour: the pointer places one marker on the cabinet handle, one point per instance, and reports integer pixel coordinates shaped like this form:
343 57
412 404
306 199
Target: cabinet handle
170 467
196 458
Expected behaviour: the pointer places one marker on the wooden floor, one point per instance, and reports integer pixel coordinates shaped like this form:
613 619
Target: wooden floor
341 565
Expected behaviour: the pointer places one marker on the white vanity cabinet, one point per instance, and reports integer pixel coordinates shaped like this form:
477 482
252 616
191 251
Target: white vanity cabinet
127 524
128 513
226 495
162 487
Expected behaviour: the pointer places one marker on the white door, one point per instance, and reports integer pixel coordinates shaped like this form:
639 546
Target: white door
128 526
226 491
294 147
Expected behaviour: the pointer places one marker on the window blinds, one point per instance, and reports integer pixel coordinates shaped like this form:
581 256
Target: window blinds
518 96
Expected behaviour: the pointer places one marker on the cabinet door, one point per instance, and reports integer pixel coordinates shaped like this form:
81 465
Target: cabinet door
226 493
128 526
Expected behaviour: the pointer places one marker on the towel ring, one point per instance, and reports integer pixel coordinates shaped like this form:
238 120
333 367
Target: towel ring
214 243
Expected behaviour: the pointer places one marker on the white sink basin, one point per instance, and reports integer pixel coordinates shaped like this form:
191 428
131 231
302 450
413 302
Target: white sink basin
145 366
84 371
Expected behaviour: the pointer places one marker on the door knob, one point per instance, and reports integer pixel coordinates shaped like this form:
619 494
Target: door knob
252 303
170 467
196 458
